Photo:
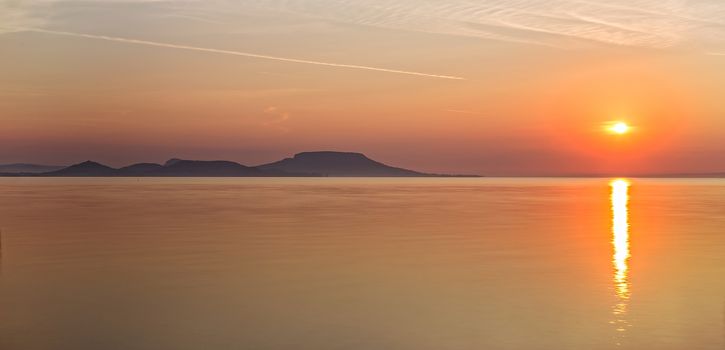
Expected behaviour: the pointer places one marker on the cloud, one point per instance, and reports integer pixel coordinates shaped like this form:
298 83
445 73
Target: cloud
560 23
275 117
240 53
565 24
277 113
18 14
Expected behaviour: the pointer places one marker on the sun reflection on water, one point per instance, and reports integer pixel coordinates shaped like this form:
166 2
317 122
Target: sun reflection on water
620 258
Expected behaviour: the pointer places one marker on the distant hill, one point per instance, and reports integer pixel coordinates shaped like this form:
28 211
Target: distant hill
28 168
87 168
175 168
342 164
140 169
199 168
172 161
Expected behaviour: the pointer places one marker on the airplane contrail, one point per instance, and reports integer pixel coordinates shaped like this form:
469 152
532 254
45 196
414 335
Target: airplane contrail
239 53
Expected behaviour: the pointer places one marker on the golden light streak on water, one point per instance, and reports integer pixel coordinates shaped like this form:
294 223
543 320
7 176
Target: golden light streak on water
621 255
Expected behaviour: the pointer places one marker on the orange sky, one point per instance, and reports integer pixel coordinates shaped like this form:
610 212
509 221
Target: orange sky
130 81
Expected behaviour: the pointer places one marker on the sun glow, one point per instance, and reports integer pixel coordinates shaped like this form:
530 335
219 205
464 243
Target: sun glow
619 128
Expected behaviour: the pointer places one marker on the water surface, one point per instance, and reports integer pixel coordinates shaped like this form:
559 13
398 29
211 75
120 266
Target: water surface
330 263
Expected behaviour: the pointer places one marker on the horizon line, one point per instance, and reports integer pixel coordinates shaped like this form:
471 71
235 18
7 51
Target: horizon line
674 175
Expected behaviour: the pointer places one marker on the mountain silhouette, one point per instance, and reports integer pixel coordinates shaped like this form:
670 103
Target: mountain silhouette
87 168
140 169
200 168
344 164
307 164
172 161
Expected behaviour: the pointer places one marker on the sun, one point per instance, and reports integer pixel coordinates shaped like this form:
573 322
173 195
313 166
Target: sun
619 128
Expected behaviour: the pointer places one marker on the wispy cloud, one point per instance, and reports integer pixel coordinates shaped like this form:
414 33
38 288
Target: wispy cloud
566 24
643 23
240 53
275 117
15 15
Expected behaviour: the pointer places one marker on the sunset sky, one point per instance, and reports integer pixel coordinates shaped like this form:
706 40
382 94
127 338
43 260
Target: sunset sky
497 87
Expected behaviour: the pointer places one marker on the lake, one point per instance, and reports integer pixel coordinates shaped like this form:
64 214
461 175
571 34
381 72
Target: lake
335 263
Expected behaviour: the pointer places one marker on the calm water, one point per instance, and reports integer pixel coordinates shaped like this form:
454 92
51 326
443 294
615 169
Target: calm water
362 264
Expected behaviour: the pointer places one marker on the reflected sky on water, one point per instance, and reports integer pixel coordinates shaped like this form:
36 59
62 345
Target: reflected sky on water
362 264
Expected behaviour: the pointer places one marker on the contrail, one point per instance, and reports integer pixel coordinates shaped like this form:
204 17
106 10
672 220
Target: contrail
239 53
